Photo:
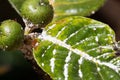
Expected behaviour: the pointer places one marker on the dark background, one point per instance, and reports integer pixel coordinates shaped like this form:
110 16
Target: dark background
18 68
110 14
21 69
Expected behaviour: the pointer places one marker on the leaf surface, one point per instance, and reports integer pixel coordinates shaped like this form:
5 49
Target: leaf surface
78 48
63 8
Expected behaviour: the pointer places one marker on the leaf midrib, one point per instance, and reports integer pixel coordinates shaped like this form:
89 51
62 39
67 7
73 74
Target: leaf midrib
54 40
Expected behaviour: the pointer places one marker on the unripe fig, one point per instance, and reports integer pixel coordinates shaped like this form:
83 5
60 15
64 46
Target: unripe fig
37 11
11 35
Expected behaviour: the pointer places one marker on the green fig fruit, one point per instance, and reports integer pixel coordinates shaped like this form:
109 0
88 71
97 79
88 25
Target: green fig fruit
37 11
11 35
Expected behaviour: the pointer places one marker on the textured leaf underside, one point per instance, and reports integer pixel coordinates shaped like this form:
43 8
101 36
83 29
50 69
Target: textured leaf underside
63 8
78 48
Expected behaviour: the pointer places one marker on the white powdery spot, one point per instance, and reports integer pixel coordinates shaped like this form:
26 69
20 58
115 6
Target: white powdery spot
71 11
91 44
42 4
94 28
49 47
103 55
80 62
52 64
98 26
58 78
21 28
42 22
66 71
68 58
52 61
54 40
112 66
106 47
93 50
111 76
61 31
101 47
96 39
6 46
115 62
80 73
83 40
98 69
46 50
118 63
51 27
42 64
54 51
93 12
110 35
43 55
78 43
